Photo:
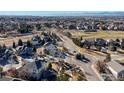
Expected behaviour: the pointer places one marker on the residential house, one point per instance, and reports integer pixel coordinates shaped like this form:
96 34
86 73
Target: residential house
116 69
36 40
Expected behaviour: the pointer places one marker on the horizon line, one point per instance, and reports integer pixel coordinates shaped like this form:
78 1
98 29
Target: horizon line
61 13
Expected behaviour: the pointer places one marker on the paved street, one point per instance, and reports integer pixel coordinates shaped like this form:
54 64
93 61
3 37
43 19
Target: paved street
86 67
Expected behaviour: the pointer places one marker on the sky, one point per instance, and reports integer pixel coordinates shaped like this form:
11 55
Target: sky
61 13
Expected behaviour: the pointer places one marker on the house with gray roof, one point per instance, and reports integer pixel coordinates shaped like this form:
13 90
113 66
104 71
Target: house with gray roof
116 69
36 40
33 70
36 71
52 50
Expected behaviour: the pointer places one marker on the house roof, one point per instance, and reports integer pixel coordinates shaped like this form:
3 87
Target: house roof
116 66
5 79
35 66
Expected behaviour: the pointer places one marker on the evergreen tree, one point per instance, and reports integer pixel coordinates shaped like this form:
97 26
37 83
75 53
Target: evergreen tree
49 66
1 69
14 46
81 38
29 44
4 46
108 57
34 49
43 42
117 40
20 43
38 27
113 48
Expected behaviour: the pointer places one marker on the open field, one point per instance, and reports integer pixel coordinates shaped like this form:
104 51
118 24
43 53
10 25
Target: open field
99 34
9 41
84 35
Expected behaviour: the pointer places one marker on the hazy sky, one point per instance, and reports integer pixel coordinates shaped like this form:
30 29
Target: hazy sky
38 13
59 13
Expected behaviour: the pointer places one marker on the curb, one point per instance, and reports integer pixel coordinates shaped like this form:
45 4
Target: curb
97 73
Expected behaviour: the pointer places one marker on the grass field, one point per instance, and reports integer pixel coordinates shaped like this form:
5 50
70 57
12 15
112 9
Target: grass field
122 59
99 34
85 35
9 41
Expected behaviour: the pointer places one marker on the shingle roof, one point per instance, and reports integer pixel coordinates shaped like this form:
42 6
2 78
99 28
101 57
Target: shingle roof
116 66
35 66
5 79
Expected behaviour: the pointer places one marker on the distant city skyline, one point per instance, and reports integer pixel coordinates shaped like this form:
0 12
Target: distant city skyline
61 13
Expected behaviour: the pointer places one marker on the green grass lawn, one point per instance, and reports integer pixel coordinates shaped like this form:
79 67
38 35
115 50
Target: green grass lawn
122 59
